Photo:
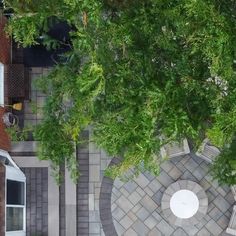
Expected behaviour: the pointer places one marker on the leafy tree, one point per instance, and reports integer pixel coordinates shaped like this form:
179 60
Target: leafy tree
224 168
136 70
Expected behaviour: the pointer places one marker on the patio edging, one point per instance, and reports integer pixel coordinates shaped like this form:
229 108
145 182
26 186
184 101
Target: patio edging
105 203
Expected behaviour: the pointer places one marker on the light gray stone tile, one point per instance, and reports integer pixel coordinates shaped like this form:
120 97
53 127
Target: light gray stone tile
140 228
223 222
130 186
118 214
132 216
204 232
179 232
140 191
213 227
175 173
119 229
148 203
142 181
150 222
94 159
94 173
118 183
165 228
124 192
165 179
221 203
136 207
142 214
130 232
167 166
155 232
94 228
116 192
124 204
155 185
126 222
157 216
134 198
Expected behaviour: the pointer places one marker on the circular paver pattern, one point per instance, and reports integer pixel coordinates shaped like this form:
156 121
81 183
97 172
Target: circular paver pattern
184 203
136 205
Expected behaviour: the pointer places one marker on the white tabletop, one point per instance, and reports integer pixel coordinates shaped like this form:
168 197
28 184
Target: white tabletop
184 204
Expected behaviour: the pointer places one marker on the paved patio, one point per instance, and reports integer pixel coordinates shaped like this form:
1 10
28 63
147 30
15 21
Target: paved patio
136 206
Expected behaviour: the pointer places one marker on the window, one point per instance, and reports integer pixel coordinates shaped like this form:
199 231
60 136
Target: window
15 208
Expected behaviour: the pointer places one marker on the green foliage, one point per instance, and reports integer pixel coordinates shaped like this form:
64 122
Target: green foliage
224 168
137 70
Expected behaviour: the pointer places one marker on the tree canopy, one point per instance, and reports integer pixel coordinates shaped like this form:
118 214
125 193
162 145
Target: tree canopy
136 70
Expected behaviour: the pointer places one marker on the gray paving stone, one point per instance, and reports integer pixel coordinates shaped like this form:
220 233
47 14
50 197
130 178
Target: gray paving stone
155 185
191 230
155 232
221 203
134 198
130 232
140 227
166 166
142 214
157 198
124 204
126 222
150 222
119 229
130 186
204 232
165 179
165 228
94 228
142 181
148 191
136 207
215 214
213 227
175 173
223 222
94 173
118 213
179 232
148 203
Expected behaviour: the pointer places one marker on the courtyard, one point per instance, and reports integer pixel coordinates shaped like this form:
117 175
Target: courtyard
136 205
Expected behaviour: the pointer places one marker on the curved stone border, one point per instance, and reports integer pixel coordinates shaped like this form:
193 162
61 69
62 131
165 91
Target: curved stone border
188 185
105 203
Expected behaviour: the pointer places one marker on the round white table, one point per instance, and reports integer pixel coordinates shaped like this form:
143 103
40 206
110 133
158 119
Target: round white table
184 203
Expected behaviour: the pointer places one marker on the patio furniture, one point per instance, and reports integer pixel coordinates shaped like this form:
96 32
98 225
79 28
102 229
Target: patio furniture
232 223
184 203
175 149
233 189
207 151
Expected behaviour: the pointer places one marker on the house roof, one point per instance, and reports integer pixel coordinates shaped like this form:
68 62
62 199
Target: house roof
4 137
5 42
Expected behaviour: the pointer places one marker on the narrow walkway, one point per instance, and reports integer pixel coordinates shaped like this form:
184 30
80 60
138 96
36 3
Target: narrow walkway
83 189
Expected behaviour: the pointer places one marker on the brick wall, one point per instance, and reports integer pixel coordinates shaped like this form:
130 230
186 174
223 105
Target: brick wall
5 49
4 138
2 200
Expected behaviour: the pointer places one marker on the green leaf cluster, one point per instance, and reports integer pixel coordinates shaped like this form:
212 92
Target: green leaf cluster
137 70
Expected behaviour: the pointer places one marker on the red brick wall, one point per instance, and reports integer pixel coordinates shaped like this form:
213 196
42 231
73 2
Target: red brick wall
5 48
4 137
2 200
